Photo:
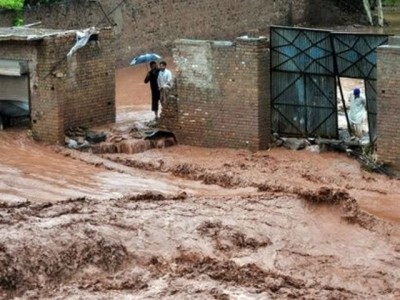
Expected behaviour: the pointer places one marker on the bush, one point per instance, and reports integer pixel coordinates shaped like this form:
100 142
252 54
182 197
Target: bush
12 4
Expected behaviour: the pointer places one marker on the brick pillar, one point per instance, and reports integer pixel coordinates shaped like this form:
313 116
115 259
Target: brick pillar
223 97
46 111
256 78
388 102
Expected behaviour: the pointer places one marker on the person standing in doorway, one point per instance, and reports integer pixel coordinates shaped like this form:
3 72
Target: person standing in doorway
152 77
164 82
357 112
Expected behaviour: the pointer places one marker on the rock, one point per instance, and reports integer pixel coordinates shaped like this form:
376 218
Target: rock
313 148
279 143
294 144
80 140
72 144
84 145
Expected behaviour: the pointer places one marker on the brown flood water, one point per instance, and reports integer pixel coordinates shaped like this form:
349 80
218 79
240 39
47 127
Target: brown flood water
35 172
192 223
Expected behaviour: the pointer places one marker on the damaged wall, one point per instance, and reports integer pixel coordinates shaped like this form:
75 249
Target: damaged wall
63 93
223 93
153 25
86 81
388 102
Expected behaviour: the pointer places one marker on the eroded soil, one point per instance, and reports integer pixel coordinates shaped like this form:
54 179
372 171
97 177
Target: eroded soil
193 223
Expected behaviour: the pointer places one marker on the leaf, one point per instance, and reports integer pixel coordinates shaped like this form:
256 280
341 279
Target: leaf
12 4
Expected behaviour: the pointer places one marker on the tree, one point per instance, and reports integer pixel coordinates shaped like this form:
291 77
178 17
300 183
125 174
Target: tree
380 13
12 4
367 8
378 5
15 5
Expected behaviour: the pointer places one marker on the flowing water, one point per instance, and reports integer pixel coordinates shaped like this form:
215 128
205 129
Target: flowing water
228 224
32 171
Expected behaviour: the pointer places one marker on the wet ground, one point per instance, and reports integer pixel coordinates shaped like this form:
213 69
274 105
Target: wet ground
192 223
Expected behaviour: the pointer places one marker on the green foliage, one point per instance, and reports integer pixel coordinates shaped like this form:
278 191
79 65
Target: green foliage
391 2
18 20
19 4
34 2
12 4
15 5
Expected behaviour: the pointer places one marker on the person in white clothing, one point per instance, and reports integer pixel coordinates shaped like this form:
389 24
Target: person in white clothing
357 112
164 81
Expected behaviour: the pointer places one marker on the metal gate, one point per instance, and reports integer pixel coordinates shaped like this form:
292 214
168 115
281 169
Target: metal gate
356 58
305 65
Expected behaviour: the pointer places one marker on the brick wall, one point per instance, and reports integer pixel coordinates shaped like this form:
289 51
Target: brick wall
153 25
85 82
63 93
45 112
222 93
388 101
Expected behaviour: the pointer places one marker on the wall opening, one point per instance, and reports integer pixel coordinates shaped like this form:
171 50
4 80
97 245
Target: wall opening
344 105
14 94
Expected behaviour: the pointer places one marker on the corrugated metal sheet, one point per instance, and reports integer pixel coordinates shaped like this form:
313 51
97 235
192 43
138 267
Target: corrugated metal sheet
303 87
355 54
301 50
304 67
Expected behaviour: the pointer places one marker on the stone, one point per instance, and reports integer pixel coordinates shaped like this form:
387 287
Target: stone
294 143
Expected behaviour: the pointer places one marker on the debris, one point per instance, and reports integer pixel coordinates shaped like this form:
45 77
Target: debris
76 131
82 37
95 138
294 143
369 164
72 144
313 148
338 144
158 134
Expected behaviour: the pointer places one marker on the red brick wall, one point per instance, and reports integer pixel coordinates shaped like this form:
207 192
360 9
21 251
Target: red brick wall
222 93
86 81
153 25
388 101
75 92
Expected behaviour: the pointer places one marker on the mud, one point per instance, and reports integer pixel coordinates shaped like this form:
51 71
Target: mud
156 245
183 222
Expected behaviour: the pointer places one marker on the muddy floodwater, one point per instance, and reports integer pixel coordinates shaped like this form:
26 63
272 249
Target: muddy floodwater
192 223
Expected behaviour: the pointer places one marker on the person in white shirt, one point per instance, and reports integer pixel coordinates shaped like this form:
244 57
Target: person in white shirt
164 81
358 112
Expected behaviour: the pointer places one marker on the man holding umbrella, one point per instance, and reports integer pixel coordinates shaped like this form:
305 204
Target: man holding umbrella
151 77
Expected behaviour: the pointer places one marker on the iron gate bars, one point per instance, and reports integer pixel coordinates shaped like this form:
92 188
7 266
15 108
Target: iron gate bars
356 58
304 66
303 87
